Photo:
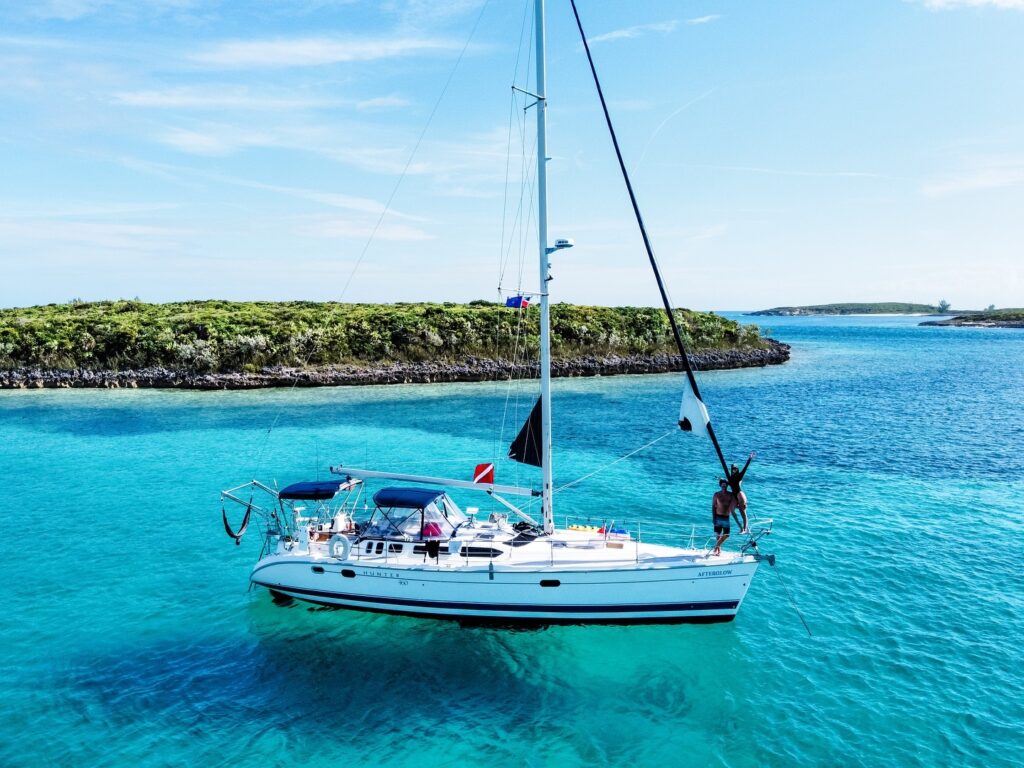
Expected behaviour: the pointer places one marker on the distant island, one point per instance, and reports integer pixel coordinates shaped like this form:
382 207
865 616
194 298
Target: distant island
242 345
871 308
999 318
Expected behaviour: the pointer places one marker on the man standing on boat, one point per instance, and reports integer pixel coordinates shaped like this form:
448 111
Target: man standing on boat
723 506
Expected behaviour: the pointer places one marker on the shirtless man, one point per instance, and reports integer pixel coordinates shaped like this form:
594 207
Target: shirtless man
723 506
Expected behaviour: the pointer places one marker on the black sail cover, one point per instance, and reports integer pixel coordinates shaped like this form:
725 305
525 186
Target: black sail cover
526 447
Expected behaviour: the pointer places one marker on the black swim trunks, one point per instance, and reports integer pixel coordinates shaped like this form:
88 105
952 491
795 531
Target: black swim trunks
721 525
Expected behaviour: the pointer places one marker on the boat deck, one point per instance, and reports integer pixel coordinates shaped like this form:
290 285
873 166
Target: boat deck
564 550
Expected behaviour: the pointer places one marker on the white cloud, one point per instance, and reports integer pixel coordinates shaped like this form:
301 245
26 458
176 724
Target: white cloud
365 157
347 229
993 174
213 142
17 210
313 51
372 149
630 105
33 42
944 5
704 19
628 33
430 13
72 10
791 171
179 174
330 199
67 10
706 232
640 30
382 102
210 98
91 234
240 98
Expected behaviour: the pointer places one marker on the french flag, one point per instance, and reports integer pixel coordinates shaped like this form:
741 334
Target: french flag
517 302
484 473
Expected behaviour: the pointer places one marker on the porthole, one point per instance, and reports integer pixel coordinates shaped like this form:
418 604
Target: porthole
318 569
348 573
550 583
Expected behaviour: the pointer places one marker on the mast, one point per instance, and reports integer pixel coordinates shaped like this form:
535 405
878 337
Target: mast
542 237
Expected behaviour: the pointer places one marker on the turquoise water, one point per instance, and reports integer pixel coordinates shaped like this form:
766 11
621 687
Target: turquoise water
890 457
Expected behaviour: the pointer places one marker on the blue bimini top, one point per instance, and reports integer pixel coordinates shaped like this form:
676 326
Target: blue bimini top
405 498
313 490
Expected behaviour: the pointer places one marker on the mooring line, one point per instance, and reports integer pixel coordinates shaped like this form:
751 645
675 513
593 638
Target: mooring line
792 602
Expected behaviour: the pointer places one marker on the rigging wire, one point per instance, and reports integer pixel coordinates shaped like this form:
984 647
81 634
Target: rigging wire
380 219
519 368
508 148
613 463
415 149
499 317
503 254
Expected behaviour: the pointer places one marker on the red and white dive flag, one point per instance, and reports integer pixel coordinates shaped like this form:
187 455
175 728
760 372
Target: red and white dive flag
484 473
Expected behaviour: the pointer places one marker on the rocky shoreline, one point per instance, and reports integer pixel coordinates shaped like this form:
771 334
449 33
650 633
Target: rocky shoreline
471 369
961 322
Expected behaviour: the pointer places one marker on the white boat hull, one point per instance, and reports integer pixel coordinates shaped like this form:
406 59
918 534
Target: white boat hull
692 589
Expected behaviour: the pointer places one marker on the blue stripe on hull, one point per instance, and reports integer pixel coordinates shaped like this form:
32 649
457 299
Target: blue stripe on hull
404 606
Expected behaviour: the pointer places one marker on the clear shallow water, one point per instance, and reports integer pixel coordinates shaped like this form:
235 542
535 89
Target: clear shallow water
890 457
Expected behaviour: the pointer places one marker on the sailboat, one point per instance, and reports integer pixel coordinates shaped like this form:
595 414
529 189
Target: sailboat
410 548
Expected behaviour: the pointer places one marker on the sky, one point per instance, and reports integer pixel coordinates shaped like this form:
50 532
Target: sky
794 152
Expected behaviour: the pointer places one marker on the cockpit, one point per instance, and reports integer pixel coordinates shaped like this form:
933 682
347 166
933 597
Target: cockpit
416 514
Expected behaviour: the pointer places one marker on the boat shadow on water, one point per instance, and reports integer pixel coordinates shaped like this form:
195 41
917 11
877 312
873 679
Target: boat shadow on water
301 662
284 601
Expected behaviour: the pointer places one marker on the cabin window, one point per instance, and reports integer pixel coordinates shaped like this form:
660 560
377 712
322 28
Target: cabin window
421 549
394 547
380 547
481 552
550 583
318 569
369 547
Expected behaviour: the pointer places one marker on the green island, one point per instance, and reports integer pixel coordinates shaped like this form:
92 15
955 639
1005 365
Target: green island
998 318
215 344
869 308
